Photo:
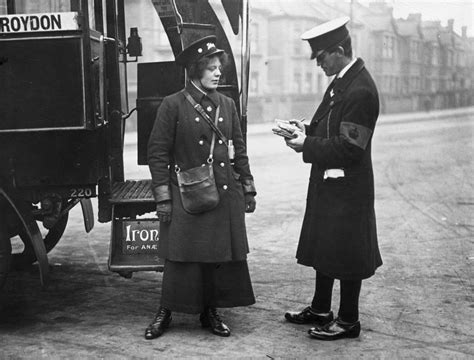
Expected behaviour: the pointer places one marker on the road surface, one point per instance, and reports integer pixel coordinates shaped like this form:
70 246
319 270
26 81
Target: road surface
420 303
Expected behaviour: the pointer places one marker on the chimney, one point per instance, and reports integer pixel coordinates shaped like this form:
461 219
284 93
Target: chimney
451 24
379 6
415 17
464 31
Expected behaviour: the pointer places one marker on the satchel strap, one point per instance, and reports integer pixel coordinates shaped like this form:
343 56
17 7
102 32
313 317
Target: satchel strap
206 117
210 159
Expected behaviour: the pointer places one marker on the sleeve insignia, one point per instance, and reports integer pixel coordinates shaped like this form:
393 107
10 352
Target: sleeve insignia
355 134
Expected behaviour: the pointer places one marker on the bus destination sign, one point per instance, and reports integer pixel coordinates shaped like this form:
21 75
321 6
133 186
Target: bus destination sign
25 23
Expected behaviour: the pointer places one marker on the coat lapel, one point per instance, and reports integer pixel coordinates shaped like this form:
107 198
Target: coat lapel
338 87
349 76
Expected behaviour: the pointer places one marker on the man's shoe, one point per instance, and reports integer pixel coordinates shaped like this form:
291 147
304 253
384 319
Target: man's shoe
211 319
336 329
159 324
307 316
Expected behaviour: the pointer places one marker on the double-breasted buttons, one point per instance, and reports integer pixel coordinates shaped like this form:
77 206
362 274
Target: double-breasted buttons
222 164
221 119
196 119
209 108
201 142
224 187
220 141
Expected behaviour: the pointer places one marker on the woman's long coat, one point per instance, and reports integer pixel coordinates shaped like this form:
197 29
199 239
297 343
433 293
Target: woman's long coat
181 136
338 235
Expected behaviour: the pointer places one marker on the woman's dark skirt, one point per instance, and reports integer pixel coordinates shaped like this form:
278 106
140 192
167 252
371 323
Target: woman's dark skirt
191 287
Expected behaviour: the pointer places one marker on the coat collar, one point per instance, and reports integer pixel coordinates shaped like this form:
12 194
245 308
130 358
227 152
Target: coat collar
199 96
342 83
338 87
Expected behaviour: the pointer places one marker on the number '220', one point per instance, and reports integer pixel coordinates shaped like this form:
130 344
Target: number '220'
81 192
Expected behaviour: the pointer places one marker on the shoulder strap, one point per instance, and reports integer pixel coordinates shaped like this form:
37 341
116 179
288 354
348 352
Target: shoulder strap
206 117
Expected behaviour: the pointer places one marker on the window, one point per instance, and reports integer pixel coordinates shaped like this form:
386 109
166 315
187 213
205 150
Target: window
387 47
354 42
297 83
320 84
450 58
253 82
43 6
435 56
254 36
308 82
3 7
415 50
297 31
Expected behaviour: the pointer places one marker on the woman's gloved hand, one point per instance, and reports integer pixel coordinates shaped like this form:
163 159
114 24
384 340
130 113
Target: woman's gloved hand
250 203
163 211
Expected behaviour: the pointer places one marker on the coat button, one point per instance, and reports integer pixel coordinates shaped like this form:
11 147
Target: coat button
209 108
220 142
201 142
224 187
222 164
196 119
221 119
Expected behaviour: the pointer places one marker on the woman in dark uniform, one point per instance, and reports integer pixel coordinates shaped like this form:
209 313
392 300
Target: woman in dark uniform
205 254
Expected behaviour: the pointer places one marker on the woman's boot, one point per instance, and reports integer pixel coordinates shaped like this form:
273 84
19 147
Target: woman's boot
211 319
159 324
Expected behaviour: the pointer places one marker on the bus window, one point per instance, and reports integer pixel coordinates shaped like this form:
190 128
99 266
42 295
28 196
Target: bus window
97 16
91 14
40 6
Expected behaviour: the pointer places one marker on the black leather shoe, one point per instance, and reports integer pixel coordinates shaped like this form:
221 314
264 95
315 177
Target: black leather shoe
307 316
336 329
159 324
211 319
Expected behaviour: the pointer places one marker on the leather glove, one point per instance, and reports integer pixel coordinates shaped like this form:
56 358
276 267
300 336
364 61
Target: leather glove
163 211
250 203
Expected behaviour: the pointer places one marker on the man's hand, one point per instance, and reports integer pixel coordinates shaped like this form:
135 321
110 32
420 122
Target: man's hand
297 142
250 203
299 124
163 211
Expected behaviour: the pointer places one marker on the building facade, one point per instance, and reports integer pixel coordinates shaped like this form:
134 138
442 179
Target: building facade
417 65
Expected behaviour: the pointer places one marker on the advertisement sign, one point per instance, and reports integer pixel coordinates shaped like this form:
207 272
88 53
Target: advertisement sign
140 236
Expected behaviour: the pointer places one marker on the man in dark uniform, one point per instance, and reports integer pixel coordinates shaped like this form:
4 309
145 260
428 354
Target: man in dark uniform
338 237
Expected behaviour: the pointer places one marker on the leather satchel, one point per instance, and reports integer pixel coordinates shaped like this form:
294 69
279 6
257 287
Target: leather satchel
197 189
197 186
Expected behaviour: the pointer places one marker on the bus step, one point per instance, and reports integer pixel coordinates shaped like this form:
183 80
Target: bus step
132 191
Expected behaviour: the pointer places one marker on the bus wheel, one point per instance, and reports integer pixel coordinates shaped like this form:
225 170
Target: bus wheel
51 237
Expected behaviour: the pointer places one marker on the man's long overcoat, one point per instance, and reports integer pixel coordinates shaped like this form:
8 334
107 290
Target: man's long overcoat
338 235
180 136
